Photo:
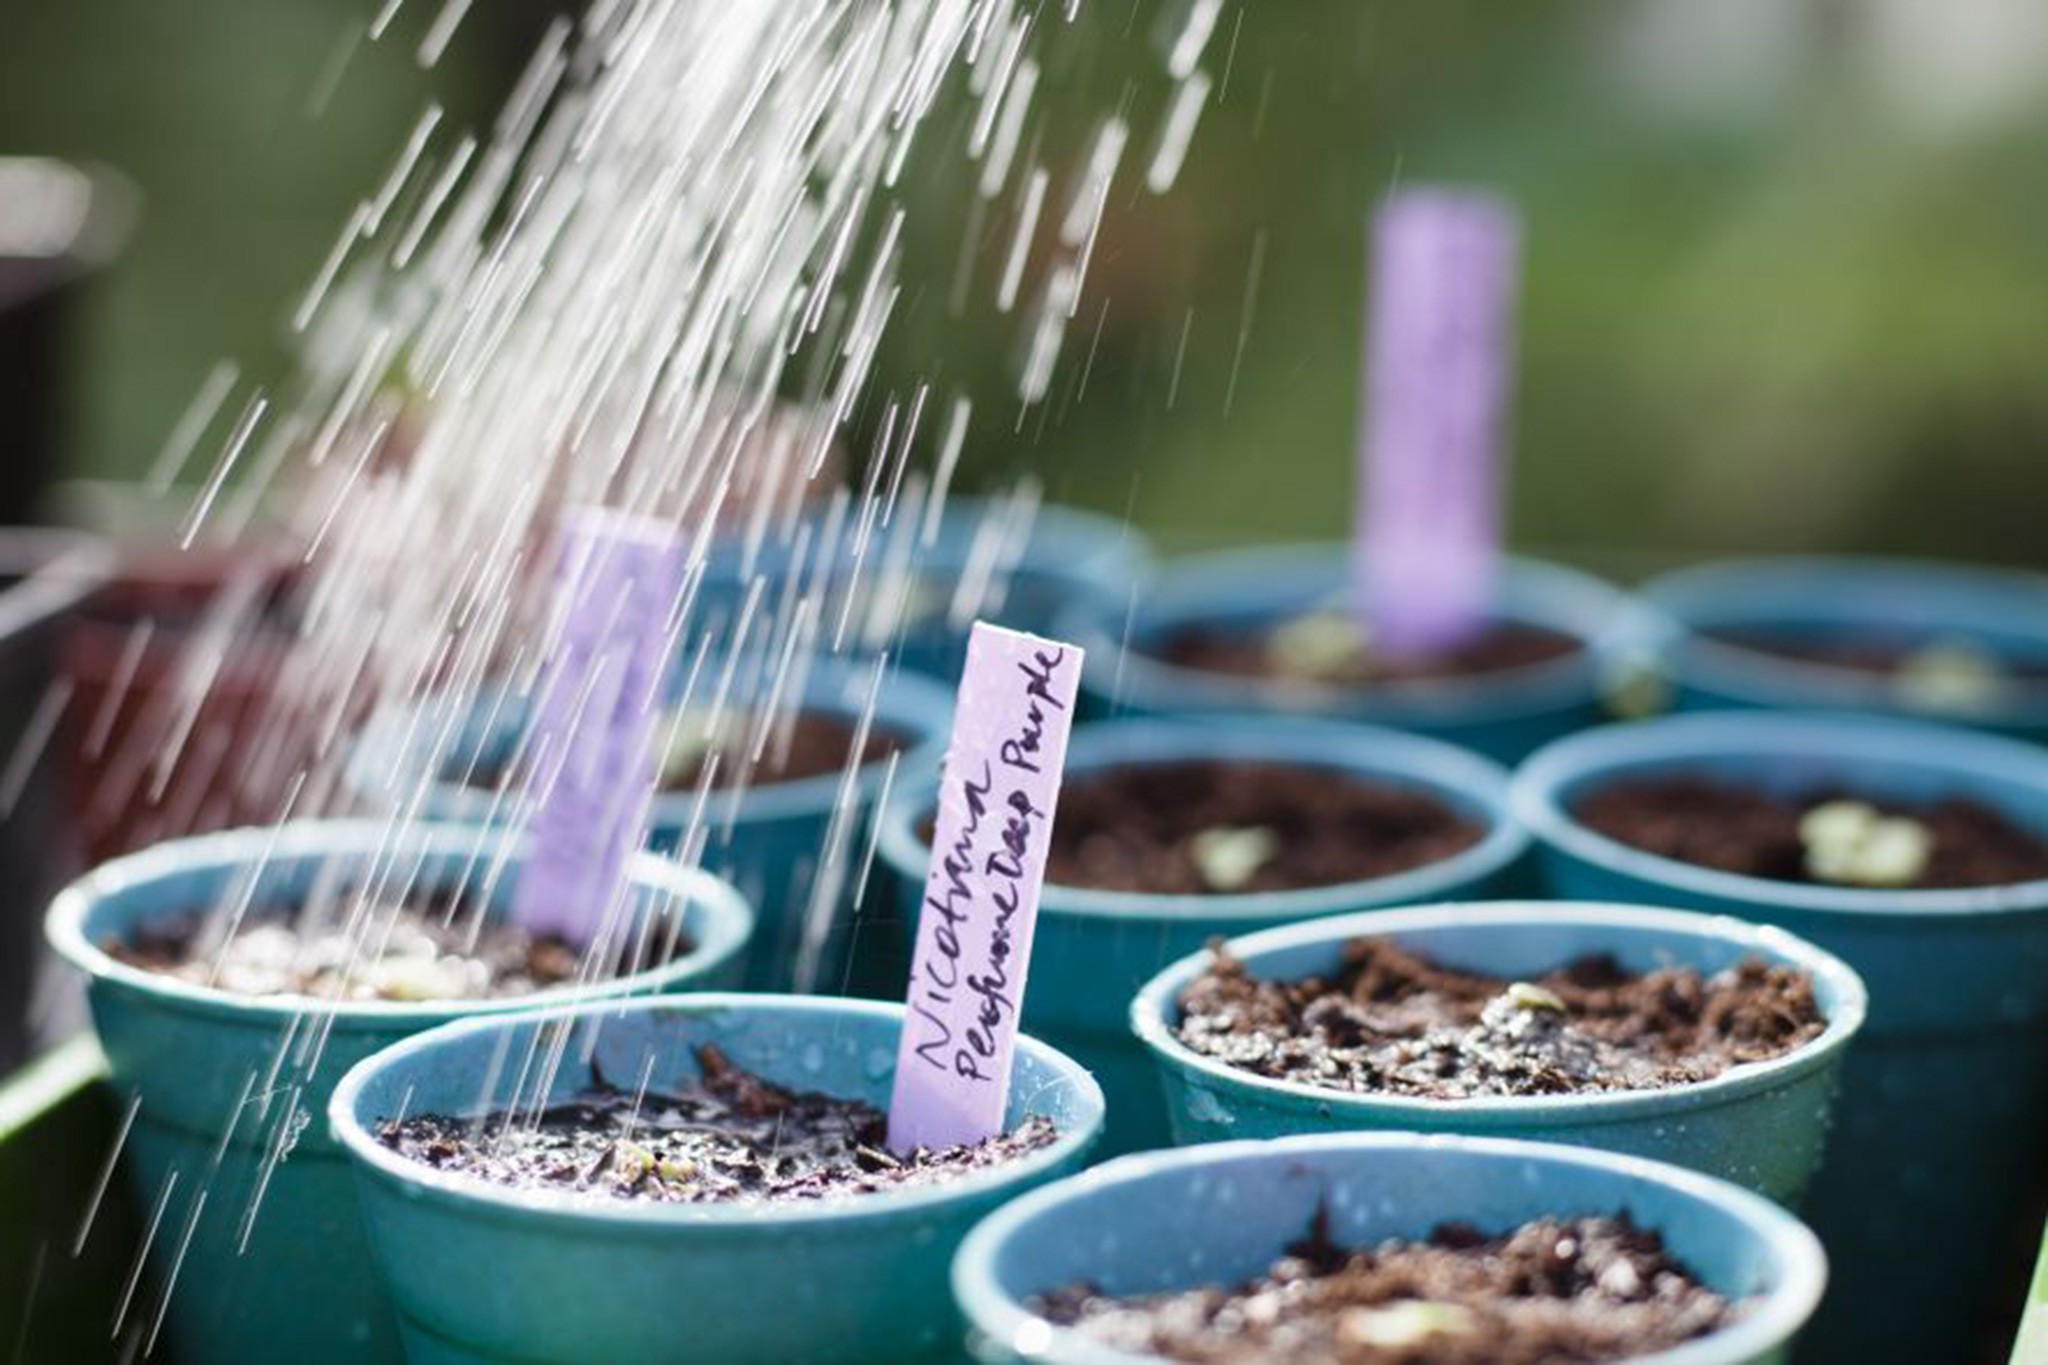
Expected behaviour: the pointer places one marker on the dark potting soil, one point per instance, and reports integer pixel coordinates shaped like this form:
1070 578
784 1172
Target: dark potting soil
1550 1292
732 1138
1756 833
1206 827
417 952
1869 654
1394 1023
1264 654
819 745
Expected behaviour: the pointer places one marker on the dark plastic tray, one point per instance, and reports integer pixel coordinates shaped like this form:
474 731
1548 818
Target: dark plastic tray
44 577
59 1297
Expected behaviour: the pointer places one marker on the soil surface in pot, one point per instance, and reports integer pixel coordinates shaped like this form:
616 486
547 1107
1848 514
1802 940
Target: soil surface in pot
819 745
1394 1023
1882 656
429 949
1550 1292
1323 649
734 1137
1214 827
1756 833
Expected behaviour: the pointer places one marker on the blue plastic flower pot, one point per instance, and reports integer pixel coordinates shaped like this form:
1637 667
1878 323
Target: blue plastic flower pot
1944 1106
1068 558
772 840
1221 1214
2002 613
1760 1126
222 1083
1505 714
1094 949
485 1273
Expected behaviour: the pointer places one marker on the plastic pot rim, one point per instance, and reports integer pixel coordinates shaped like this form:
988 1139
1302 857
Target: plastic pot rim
728 921
1502 694
476 1198
1783 1310
1456 775
905 702
1154 1008
1672 599
1607 754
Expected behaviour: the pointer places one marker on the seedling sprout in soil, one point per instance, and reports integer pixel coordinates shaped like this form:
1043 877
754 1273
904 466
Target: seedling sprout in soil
997 800
1228 858
1950 675
1849 843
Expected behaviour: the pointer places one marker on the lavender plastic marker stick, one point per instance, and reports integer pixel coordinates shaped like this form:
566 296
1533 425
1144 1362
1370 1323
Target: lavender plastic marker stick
618 578
1445 272
996 804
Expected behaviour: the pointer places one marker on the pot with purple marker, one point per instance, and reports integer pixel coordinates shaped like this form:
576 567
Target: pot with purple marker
235 977
1172 833
1006 559
791 834
1421 623
1271 631
739 1203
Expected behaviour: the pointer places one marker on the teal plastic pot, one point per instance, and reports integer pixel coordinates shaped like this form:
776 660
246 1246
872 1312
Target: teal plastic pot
483 1273
2001 613
222 1083
1067 558
1504 714
1094 949
1222 1214
1943 1113
1761 1126
772 840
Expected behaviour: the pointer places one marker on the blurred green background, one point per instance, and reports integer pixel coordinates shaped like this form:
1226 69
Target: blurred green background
1786 282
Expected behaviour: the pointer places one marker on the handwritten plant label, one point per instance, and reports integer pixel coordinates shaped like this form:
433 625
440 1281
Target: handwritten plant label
617 582
1445 272
996 804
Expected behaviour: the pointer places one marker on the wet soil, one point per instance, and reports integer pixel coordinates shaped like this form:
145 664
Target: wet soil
1391 1022
1550 1292
735 1137
1755 833
1209 827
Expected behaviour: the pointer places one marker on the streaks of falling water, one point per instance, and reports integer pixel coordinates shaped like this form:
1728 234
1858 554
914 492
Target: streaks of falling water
656 282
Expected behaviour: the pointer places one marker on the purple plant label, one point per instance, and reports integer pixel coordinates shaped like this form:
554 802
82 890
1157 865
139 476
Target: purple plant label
1445 272
996 804
617 582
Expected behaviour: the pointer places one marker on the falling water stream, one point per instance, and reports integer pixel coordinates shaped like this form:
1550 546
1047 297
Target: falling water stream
656 283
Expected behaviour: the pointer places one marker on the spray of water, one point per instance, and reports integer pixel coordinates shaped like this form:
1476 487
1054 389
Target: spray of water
658 282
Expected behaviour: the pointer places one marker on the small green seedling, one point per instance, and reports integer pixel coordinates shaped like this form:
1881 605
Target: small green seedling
1228 858
631 1162
1406 1324
1950 675
687 735
417 977
1317 645
1634 687
1849 843
1532 997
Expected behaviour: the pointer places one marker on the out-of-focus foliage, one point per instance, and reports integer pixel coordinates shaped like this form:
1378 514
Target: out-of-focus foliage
1787 259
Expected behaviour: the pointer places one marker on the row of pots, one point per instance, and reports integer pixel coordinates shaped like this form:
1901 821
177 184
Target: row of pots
1941 1095
1093 580
1950 1061
477 1273
483 1274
